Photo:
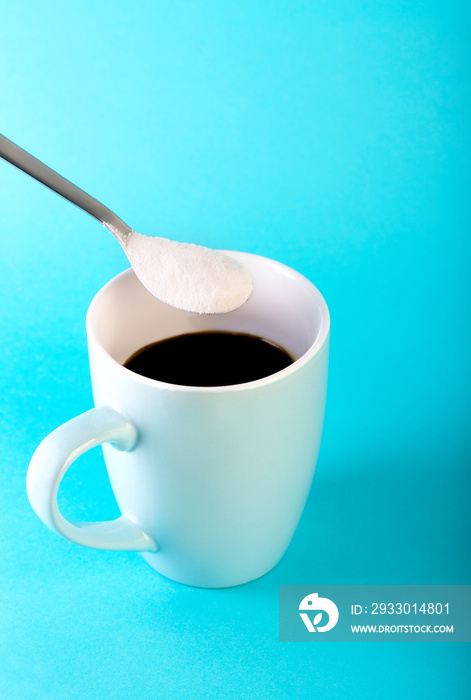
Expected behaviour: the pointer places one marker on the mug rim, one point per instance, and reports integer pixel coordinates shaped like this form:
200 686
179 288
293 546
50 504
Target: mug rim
294 367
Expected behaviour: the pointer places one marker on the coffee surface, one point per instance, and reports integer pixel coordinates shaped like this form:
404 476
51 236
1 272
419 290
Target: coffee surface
209 358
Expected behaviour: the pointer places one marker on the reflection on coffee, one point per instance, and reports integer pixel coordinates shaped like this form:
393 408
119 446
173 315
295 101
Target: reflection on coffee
209 358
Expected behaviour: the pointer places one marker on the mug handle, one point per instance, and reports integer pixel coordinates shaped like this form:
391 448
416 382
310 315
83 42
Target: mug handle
52 459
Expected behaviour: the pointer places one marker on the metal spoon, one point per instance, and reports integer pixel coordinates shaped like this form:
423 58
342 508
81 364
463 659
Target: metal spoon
187 276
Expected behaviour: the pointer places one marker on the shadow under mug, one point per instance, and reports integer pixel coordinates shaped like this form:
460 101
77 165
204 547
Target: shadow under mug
211 481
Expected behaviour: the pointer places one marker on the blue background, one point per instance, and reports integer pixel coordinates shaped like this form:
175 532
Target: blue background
334 137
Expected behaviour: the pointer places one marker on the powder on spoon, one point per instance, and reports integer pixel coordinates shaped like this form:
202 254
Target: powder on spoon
188 276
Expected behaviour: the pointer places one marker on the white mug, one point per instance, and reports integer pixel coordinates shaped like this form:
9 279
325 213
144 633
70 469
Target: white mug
211 481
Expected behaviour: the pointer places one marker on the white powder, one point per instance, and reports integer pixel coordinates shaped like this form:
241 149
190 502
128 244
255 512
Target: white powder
187 276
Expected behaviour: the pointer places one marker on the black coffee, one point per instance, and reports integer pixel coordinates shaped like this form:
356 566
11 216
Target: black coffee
209 358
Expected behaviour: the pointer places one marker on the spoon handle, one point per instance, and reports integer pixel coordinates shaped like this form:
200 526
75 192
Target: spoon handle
30 165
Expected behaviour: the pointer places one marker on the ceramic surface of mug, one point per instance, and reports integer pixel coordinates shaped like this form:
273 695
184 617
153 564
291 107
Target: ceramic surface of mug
211 481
